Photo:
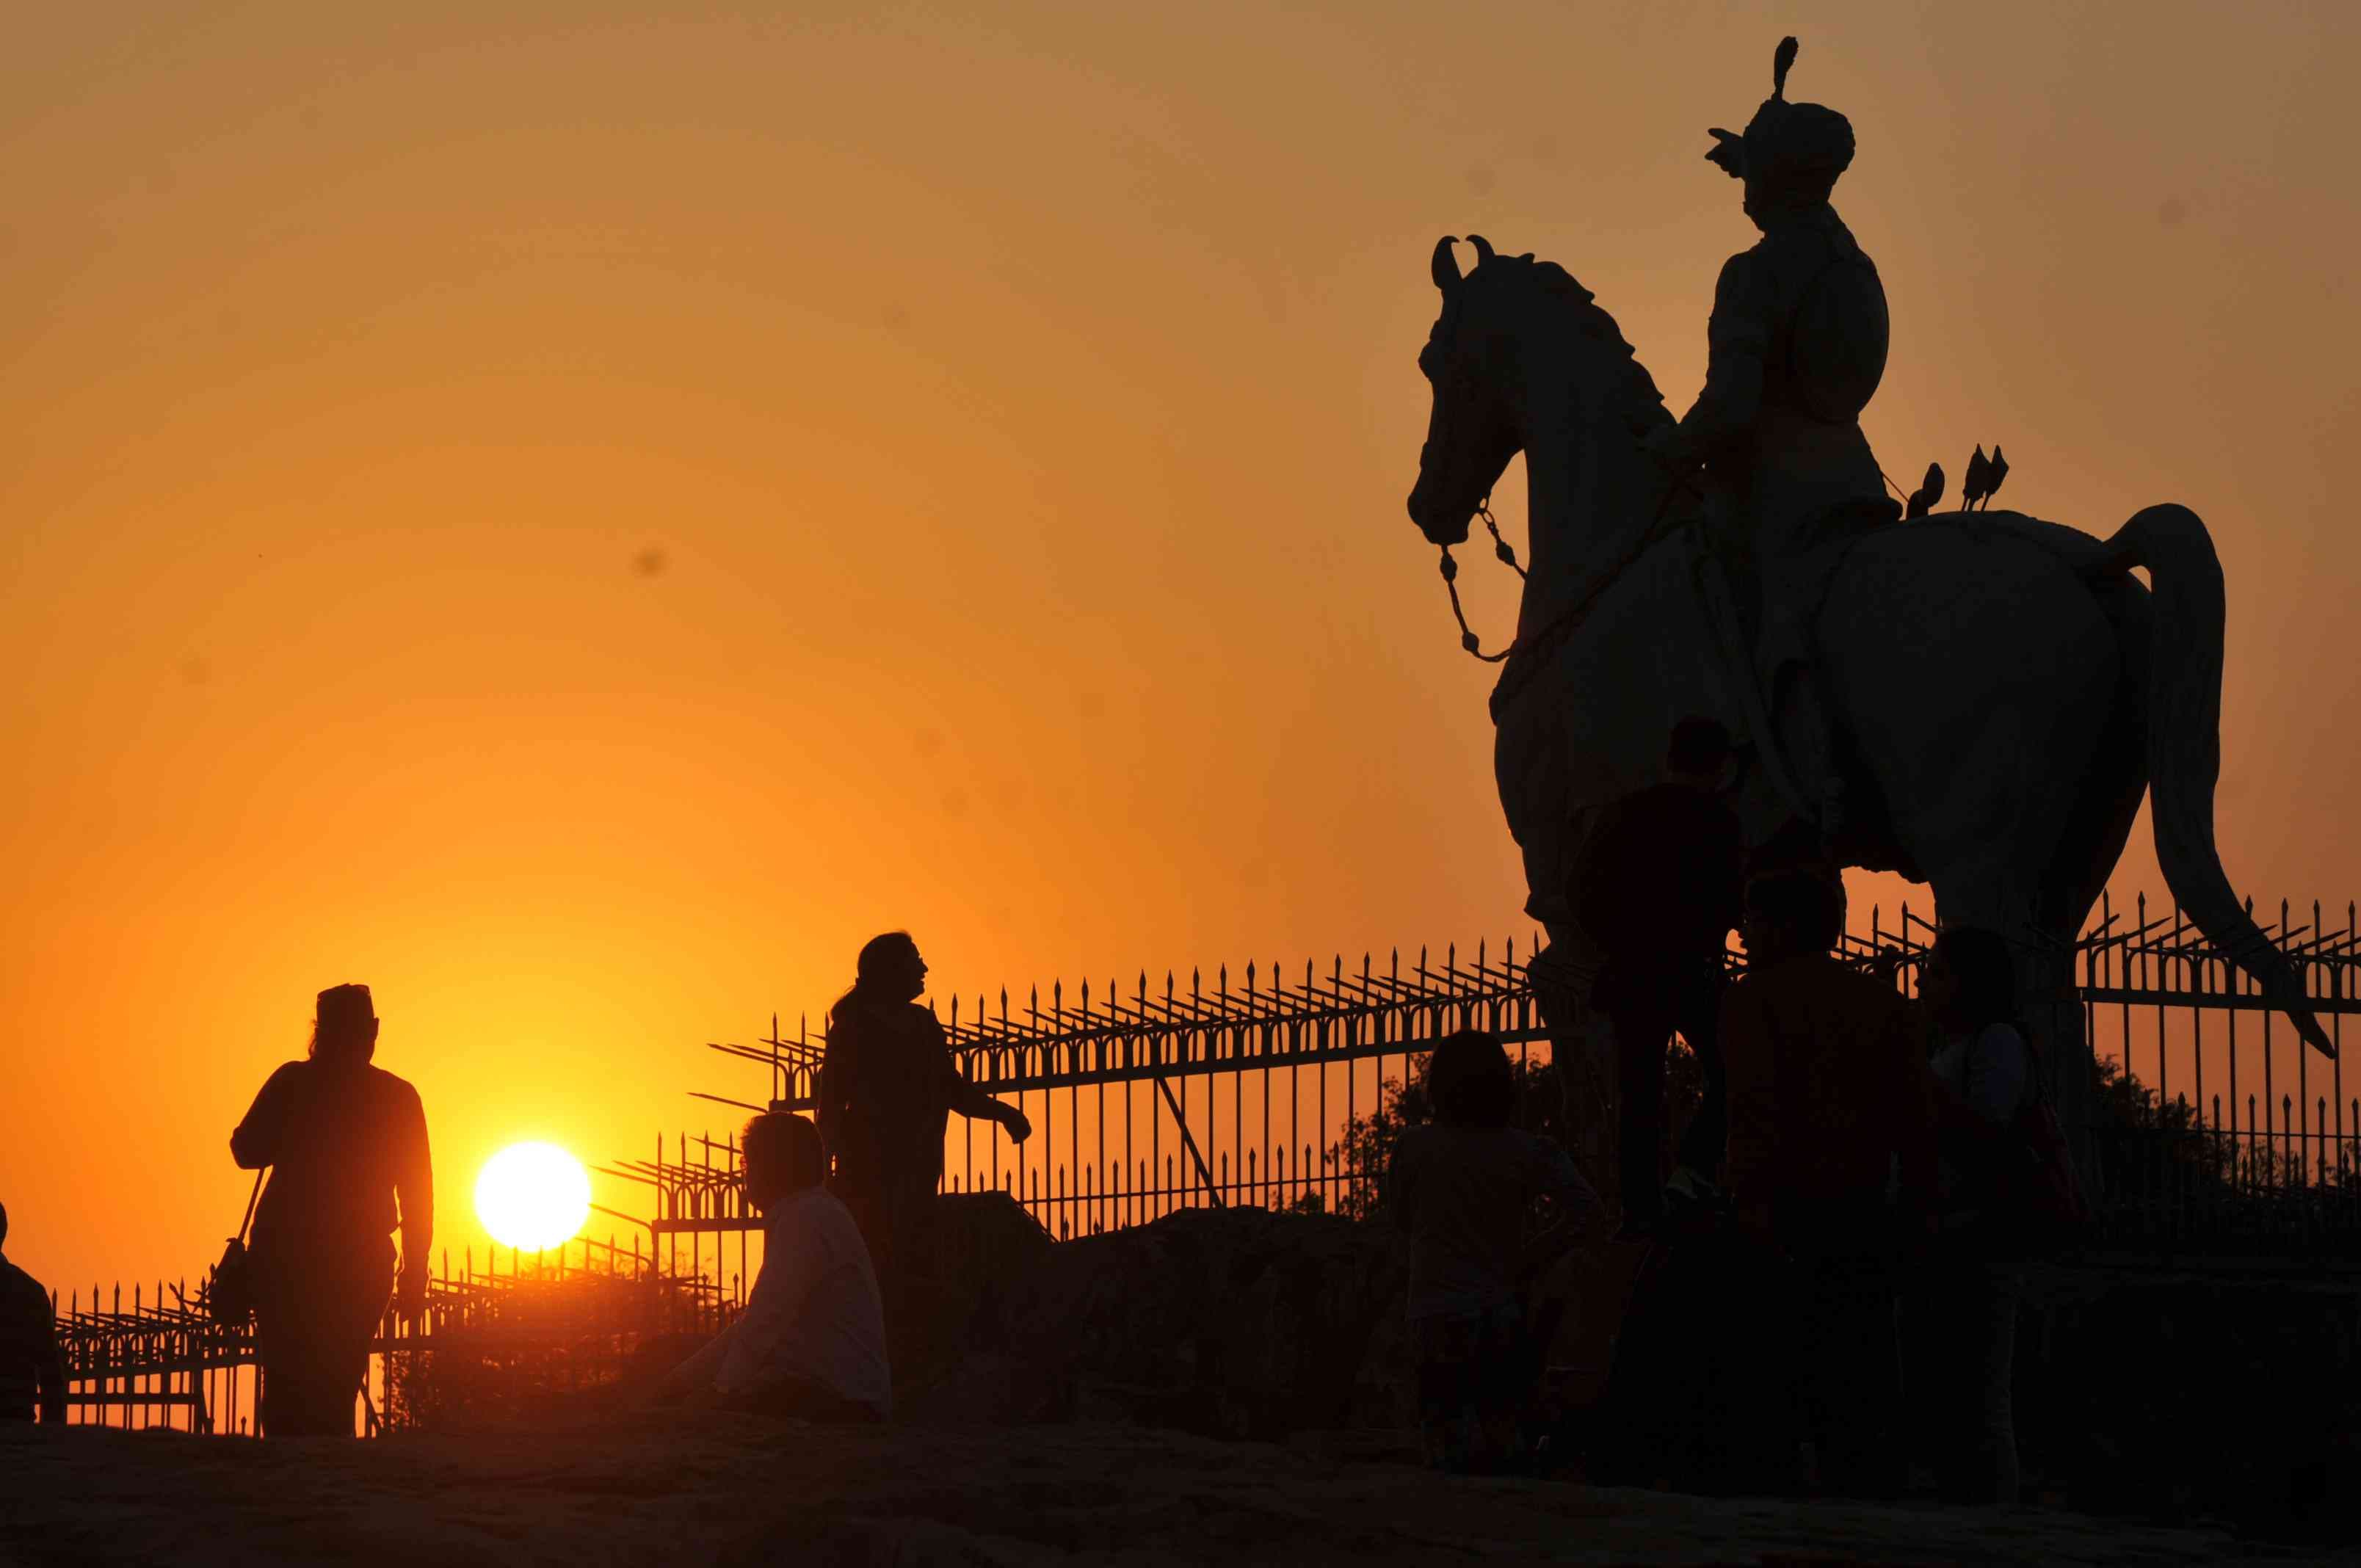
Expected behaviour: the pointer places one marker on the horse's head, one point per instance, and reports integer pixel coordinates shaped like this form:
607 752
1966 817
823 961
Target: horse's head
1515 328
1474 428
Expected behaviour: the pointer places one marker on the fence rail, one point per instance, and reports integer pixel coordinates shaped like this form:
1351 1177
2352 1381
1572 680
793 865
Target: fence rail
1151 1091
551 1322
2211 1129
2206 1115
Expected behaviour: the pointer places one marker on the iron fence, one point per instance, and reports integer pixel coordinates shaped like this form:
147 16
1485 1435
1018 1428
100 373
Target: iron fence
2201 1117
553 1322
2208 1126
1219 1091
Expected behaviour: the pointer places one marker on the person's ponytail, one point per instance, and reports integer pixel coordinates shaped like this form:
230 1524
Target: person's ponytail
877 956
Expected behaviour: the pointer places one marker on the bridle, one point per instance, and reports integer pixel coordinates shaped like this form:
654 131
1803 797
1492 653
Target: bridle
1659 525
1508 557
1448 280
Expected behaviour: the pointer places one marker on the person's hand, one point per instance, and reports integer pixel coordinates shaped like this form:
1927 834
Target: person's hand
1019 1127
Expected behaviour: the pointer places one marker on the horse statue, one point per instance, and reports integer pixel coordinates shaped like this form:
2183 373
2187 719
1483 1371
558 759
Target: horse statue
2002 689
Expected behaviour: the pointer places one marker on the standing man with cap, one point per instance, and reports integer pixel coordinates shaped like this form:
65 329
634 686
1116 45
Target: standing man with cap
31 1371
347 1145
1797 346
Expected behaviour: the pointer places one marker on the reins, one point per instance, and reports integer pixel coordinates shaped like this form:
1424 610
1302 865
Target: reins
1649 536
1507 556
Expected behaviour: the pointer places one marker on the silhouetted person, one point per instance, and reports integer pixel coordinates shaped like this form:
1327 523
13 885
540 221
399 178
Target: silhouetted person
1464 1189
32 1374
887 1088
1657 888
346 1142
1797 346
1827 1100
1960 1312
811 1341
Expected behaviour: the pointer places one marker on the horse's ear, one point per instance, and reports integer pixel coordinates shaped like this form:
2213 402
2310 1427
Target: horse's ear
1445 265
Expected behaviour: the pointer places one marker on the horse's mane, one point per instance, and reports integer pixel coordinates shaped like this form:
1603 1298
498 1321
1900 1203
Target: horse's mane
1633 384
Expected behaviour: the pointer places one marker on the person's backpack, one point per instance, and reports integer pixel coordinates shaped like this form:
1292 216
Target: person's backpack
2037 1195
229 1297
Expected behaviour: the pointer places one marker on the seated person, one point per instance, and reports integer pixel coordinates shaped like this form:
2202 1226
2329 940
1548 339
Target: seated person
1464 1189
811 1341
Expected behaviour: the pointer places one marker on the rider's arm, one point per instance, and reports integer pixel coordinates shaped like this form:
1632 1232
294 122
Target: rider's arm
1738 340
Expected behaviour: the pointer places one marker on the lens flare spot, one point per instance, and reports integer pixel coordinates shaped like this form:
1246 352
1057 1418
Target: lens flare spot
532 1196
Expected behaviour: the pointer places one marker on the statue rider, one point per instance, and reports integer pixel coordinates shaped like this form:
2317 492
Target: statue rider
1797 345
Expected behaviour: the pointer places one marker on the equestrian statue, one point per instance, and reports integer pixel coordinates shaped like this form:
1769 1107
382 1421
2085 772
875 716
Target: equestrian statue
1977 699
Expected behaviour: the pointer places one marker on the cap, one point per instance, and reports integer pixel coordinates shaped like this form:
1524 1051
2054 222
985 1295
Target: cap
1786 143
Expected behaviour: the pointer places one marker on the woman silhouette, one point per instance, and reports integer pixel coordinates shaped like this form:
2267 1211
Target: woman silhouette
346 1142
887 1088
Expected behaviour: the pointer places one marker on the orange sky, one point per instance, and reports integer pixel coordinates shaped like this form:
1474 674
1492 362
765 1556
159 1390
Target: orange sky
1015 404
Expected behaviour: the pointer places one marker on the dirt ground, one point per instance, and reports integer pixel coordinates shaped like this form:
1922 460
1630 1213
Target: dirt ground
732 1489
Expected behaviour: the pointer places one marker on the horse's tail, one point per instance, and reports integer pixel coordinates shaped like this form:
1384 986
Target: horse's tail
2184 746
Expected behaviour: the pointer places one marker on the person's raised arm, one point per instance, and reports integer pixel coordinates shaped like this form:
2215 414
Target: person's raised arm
413 1184
968 1100
256 1142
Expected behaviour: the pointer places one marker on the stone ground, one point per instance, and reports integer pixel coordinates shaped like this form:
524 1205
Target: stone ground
730 1489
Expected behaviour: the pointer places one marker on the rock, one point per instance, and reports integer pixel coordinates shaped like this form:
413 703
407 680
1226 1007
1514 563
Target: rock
975 1249
1233 1322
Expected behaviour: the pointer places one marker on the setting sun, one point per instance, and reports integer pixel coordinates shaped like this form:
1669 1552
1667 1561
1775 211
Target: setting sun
532 1196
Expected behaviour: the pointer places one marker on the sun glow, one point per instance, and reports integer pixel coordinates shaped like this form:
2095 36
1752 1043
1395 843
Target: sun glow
532 1196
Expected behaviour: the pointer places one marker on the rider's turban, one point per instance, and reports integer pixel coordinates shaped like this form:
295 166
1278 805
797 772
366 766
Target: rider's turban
1790 148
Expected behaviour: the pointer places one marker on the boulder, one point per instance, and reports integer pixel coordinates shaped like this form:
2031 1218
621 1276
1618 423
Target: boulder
1234 1322
973 1249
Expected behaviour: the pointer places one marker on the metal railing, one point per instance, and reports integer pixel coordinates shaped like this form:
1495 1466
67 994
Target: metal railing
2210 1128
551 1322
2205 1118
1148 1099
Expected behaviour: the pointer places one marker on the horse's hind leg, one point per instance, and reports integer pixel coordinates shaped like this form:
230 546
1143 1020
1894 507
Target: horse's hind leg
2117 780
1985 689
2097 827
